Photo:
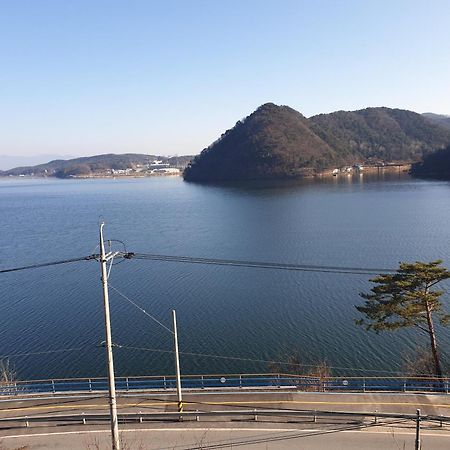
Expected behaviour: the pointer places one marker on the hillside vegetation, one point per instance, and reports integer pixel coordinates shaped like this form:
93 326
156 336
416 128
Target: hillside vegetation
89 165
435 165
279 142
380 133
274 141
438 119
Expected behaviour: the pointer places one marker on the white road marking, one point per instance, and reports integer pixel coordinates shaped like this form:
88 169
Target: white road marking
163 430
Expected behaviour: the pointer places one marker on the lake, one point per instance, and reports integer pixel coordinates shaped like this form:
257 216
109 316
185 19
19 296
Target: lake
52 319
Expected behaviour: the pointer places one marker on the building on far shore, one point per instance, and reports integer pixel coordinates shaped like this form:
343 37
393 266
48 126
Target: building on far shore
158 164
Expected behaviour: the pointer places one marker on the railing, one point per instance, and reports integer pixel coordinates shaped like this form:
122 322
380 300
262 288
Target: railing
392 384
233 381
253 414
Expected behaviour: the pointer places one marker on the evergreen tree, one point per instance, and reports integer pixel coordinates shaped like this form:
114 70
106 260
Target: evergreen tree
406 299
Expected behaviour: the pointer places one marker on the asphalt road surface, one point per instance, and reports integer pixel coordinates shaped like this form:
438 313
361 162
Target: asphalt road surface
274 432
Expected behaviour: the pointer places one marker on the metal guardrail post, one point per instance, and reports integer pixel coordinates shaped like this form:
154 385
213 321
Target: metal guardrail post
90 385
404 385
446 387
140 416
256 416
376 417
278 380
165 384
203 382
197 417
128 384
417 447
53 386
240 381
364 385
26 422
83 418
315 416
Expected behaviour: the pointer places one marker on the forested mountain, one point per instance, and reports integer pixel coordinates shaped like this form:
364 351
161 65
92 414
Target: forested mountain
434 165
380 133
438 119
279 142
274 141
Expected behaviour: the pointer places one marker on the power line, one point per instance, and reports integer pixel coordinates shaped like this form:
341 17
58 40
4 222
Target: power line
264 439
267 361
263 265
44 352
219 262
140 309
51 263
203 355
57 402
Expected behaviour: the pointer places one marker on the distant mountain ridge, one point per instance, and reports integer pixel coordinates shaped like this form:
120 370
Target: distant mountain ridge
279 142
8 162
92 164
439 119
380 133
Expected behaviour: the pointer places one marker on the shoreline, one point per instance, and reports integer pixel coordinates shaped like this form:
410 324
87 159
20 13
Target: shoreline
327 173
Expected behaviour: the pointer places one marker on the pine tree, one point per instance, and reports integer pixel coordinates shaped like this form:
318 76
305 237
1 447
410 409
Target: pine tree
406 299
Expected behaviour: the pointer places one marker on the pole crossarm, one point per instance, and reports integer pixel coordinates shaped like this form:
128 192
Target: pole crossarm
110 255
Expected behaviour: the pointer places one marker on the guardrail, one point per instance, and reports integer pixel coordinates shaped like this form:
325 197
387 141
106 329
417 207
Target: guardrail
253 414
236 381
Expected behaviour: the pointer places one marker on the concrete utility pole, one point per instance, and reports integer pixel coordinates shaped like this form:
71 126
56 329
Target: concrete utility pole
177 363
104 258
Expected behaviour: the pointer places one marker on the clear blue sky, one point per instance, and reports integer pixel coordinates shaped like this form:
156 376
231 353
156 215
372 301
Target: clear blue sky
168 77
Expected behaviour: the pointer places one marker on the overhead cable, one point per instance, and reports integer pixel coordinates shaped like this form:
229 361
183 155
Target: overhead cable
51 263
263 265
44 352
140 309
264 439
267 361
219 262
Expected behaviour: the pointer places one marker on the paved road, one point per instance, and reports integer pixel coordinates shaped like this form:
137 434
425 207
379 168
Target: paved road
397 403
258 437
281 432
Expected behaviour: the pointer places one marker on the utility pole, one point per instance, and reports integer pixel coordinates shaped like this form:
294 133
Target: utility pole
104 258
177 363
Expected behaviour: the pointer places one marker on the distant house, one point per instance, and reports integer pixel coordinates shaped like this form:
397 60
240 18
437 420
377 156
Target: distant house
121 171
166 170
158 165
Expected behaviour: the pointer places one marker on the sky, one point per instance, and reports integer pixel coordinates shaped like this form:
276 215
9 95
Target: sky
168 77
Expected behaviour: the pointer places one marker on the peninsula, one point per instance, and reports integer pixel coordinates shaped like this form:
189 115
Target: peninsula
279 142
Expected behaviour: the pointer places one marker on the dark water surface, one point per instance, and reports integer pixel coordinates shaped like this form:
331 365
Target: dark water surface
240 312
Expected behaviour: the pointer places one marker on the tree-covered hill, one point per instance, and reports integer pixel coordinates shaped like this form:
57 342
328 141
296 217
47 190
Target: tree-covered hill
380 133
279 142
435 165
93 164
273 142
83 165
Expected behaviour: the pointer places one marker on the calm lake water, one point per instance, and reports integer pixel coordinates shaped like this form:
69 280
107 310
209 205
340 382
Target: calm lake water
253 314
